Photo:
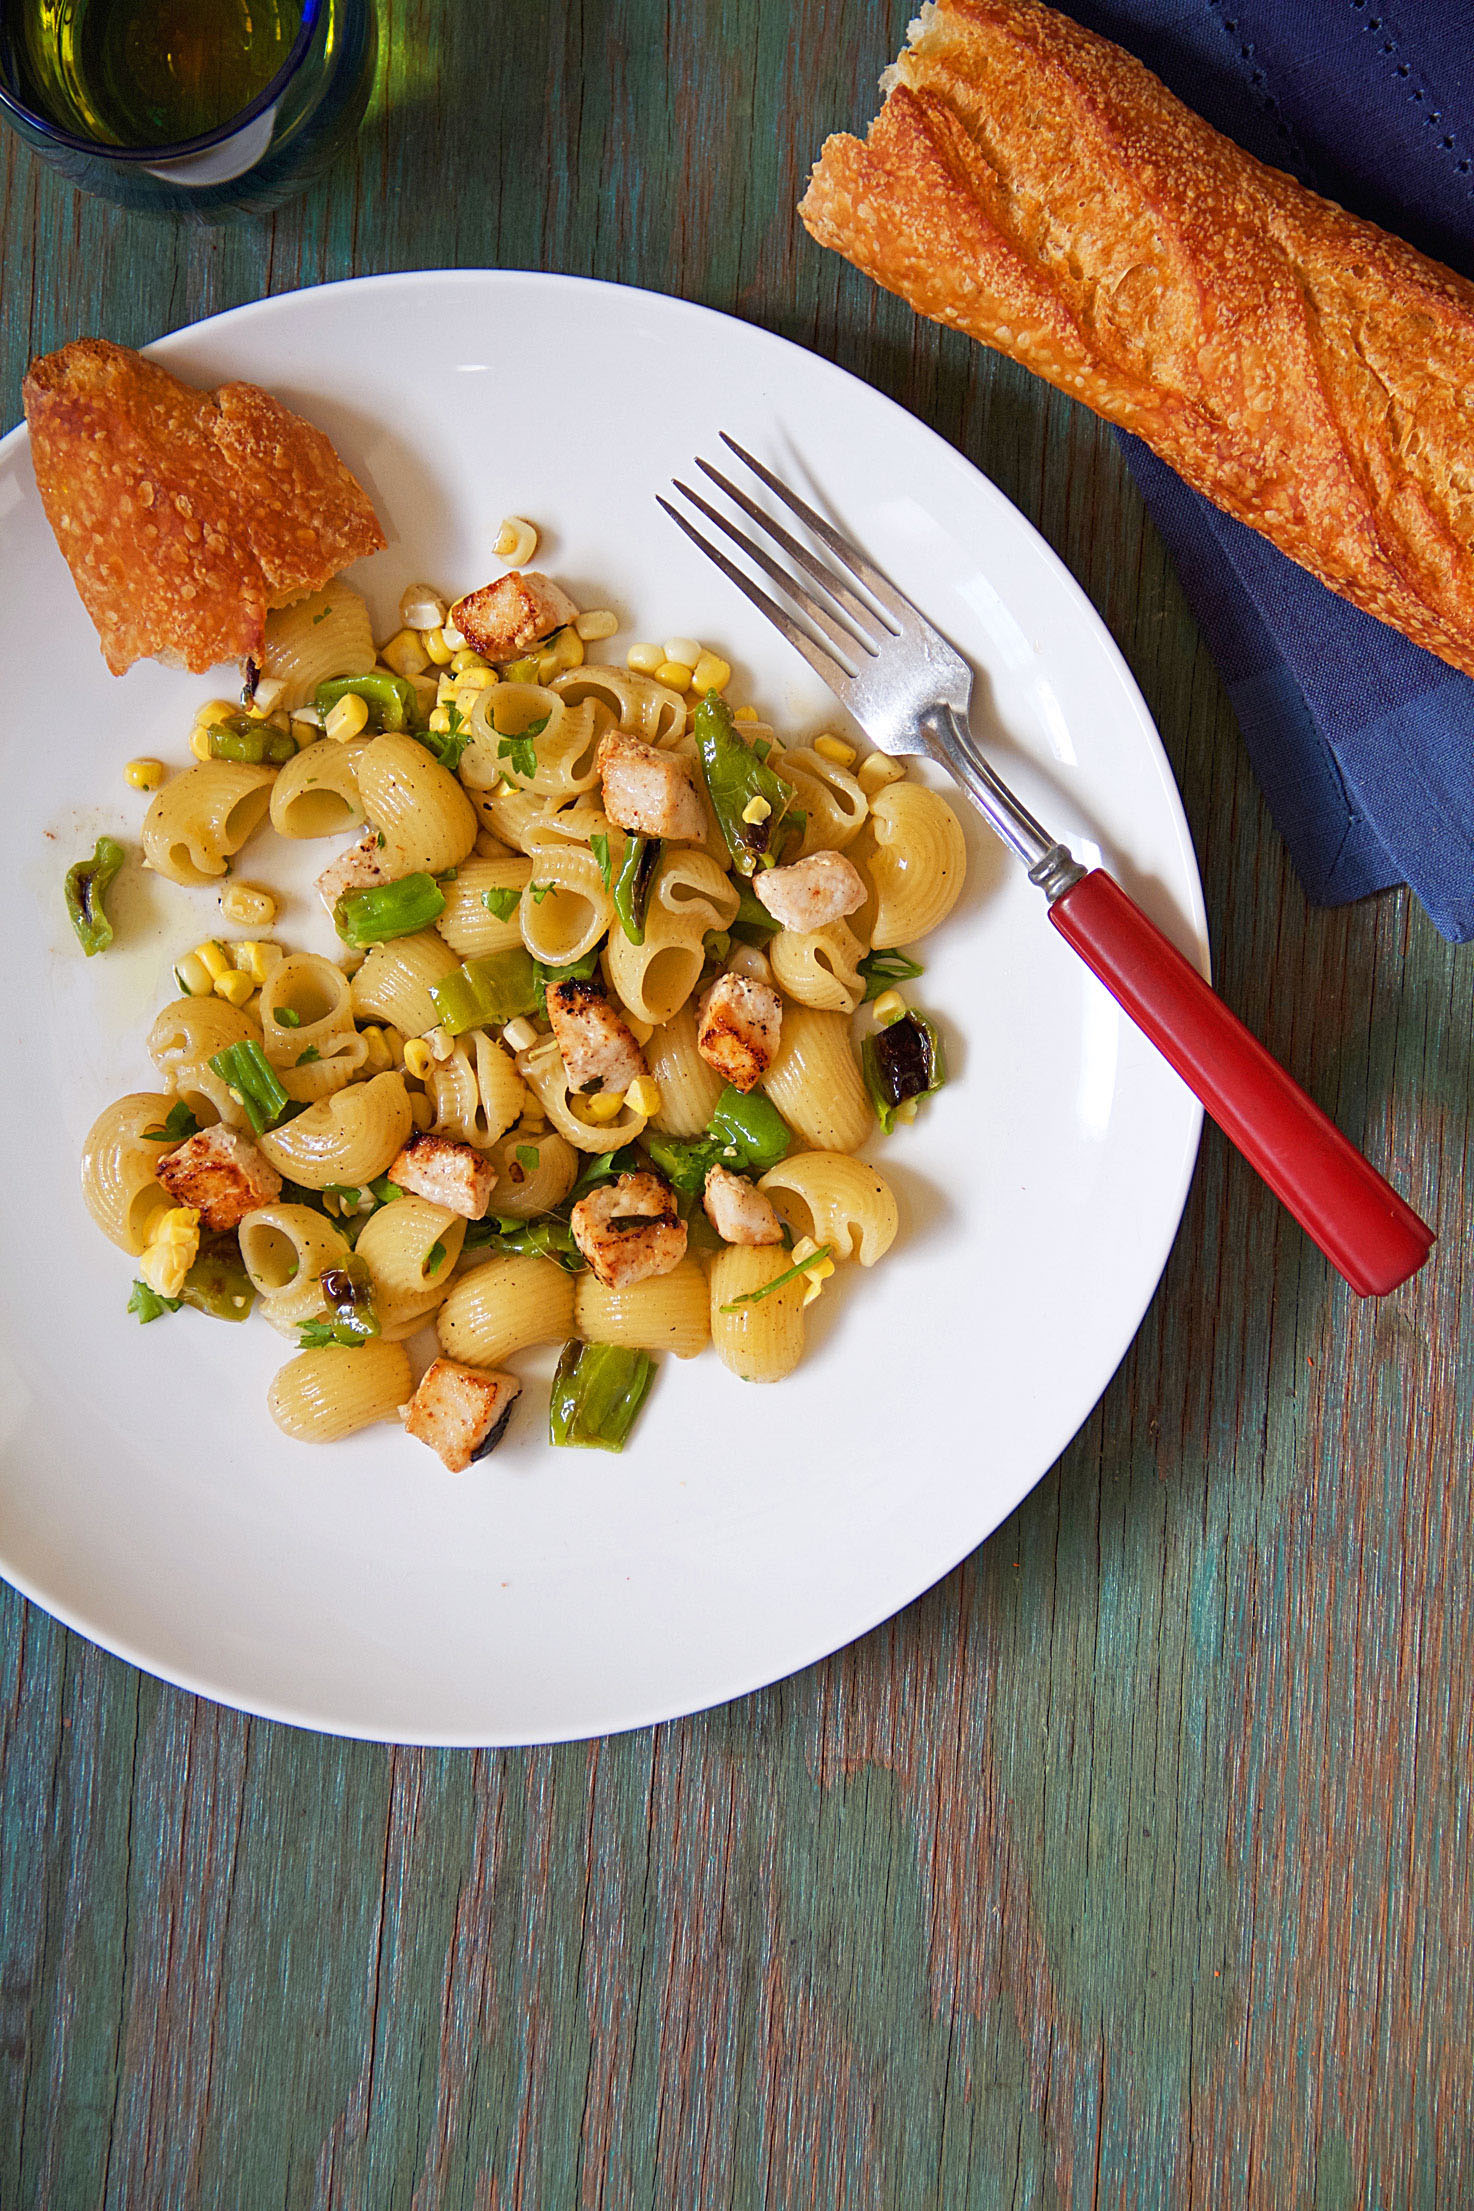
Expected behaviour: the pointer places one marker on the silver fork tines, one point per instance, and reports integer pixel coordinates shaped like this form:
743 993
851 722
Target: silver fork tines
904 684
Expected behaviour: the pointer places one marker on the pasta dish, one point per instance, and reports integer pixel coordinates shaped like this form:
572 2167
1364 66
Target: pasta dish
616 1006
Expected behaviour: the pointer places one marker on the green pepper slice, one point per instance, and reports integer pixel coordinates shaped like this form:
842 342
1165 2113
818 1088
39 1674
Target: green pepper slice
86 883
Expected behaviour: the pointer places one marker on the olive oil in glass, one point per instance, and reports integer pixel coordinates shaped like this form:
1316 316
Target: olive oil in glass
145 73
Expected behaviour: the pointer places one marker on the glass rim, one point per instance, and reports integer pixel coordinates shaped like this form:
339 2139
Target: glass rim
178 149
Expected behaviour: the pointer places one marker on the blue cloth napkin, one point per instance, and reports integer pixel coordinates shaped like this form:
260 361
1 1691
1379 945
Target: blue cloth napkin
1362 743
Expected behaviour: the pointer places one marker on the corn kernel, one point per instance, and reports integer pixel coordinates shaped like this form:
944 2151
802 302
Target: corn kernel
442 1044
452 635
346 719
173 1245
745 714
516 541
568 647
420 608
643 1095
436 647
445 688
889 1007
906 1110
193 977
876 770
756 810
464 658
683 648
674 674
258 958
213 958
144 774
248 905
596 625
711 673
235 988
421 1110
385 1049
835 749
472 680
199 742
405 654
607 1106
440 720
644 659
417 1057
306 725
641 1031
268 694
519 1034
533 1120
216 710
426 689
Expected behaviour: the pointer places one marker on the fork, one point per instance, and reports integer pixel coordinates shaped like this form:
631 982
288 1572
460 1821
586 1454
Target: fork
911 694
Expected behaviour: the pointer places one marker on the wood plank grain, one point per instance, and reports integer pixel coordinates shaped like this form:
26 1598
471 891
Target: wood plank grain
1129 1867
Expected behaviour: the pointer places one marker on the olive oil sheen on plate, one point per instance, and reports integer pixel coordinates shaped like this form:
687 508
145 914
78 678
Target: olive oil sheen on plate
146 72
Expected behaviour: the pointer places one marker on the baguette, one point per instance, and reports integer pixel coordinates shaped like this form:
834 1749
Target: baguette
1034 186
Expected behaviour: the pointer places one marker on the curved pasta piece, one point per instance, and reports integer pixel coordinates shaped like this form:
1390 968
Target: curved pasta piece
566 906
764 1341
563 748
477 1093
199 819
322 1396
426 820
535 1170
316 795
410 1249
469 925
509 814
666 1312
830 796
541 1068
510 1302
635 703
689 895
314 639
393 983
820 967
689 1087
120 1167
284 1249
321 1051
837 1201
349 1137
918 862
815 1081
185 1037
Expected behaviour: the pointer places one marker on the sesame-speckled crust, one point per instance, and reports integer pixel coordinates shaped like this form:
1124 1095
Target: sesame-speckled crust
185 515
1033 185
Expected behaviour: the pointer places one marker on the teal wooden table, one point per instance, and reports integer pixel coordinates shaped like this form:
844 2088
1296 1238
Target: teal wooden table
1130 1867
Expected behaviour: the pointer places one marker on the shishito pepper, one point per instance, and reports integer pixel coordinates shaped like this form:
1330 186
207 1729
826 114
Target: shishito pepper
253 742
387 910
597 1392
631 890
904 1060
86 883
740 786
489 992
391 700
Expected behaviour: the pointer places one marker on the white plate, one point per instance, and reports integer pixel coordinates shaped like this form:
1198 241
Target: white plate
145 1497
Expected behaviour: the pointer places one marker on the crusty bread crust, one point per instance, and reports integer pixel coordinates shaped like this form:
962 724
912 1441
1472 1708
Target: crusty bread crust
185 515
1033 185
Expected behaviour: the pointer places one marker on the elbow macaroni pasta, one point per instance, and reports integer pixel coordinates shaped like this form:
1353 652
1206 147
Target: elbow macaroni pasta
836 1200
765 1341
284 1250
321 1051
815 1083
347 1138
120 1168
410 1249
182 1042
504 1306
426 820
689 895
670 1312
199 820
917 861
477 1093
393 983
820 967
322 1396
316 795
325 635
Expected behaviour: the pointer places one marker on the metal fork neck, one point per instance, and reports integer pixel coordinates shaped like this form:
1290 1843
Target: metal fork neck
1051 865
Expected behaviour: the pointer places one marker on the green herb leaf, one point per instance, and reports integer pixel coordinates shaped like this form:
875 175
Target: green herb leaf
287 1017
447 745
305 1058
882 969
502 902
179 1124
148 1305
385 1191
539 892
528 1158
599 846
434 1257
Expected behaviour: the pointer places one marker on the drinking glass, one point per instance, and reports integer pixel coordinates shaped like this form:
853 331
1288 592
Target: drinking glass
114 94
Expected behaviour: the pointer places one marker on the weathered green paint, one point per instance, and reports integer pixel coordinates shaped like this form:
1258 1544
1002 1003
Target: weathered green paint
1132 1866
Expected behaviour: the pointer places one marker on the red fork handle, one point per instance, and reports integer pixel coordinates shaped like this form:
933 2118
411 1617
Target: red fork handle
1361 1224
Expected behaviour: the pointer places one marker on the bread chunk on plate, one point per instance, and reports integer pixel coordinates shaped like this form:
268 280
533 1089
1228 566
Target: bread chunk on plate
184 515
